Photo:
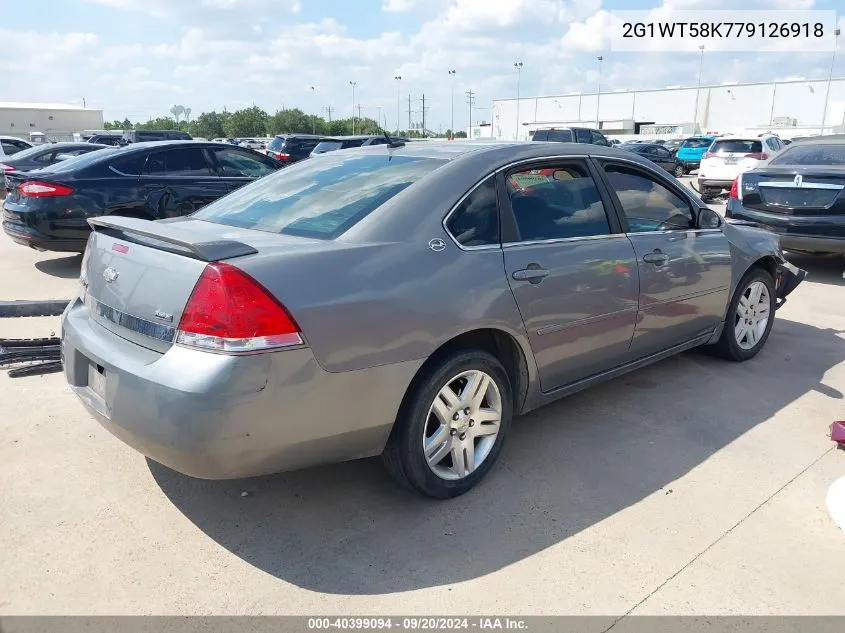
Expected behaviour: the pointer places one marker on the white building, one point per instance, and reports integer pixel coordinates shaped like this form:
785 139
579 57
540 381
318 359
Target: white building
788 108
53 120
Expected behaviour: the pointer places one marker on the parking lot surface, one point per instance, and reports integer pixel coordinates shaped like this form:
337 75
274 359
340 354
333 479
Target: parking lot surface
694 486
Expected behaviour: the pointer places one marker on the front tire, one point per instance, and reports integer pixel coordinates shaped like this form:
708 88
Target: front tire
680 170
750 317
451 426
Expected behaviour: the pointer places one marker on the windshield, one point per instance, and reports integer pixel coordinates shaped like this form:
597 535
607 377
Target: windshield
83 160
737 146
815 154
320 198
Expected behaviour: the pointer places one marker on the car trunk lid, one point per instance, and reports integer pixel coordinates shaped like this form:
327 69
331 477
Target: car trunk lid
810 191
139 275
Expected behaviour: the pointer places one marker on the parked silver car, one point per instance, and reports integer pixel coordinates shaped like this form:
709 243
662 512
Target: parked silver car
404 301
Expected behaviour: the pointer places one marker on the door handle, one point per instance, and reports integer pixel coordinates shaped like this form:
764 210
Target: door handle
657 258
534 275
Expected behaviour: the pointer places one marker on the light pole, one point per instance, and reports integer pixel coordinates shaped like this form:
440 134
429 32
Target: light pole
518 66
598 94
452 126
313 116
353 84
829 78
379 115
398 79
698 87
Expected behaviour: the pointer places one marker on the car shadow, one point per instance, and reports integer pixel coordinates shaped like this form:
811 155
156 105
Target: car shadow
347 529
62 267
826 269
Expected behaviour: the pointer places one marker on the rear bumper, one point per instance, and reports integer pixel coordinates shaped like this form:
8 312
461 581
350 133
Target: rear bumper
803 233
691 163
27 236
218 416
714 183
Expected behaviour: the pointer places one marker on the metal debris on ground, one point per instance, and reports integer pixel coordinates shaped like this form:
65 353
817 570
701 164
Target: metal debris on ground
35 356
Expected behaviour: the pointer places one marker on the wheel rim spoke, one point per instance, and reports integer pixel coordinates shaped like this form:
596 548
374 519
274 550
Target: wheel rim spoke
743 301
487 415
475 390
483 430
459 460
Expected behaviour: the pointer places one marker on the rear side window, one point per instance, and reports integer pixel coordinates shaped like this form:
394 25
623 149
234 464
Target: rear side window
555 202
319 198
583 136
737 146
131 165
772 144
10 147
815 154
183 161
476 220
308 145
237 164
598 139
327 146
560 136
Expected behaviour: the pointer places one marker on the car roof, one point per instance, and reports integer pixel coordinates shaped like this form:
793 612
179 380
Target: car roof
301 136
829 139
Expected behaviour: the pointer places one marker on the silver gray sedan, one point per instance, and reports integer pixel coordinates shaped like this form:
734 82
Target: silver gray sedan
406 301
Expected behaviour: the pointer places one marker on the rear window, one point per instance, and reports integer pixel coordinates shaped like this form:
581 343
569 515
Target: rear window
812 155
561 136
737 146
696 143
320 199
276 144
327 146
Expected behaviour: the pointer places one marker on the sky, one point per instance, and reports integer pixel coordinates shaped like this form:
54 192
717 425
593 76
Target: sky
136 58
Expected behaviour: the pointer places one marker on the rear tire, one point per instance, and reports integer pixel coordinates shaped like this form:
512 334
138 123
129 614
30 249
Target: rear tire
744 335
444 441
680 170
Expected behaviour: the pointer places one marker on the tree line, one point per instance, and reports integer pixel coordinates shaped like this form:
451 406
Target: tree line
255 122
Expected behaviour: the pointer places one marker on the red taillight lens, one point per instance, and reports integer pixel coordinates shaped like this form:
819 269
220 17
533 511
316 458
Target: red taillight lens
229 311
6 167
37 189
735 189
708 155
757 156
282 157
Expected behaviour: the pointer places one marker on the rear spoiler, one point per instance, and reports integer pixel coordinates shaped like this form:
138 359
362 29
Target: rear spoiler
171 234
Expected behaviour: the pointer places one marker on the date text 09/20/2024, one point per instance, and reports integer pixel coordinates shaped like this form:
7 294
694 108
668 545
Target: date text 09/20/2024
417 623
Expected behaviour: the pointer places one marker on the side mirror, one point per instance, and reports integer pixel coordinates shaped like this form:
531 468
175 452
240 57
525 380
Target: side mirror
709 219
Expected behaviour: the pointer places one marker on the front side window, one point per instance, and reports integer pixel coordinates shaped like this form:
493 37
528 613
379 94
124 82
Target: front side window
237 164
648 205
319 198
183 161
583 136
663 153
476 220
598 138
556 202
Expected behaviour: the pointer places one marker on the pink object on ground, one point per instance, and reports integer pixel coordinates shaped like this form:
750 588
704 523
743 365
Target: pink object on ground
837 432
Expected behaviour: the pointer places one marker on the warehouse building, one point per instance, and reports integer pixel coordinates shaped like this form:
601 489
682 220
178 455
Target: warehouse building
47 121
797 107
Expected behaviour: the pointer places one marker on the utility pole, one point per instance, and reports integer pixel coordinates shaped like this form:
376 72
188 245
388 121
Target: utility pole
313 116
470 96
328 110
409 110
423 115
829 79
398 79
353 84
452 77
598 94
518 66
359 113
698 90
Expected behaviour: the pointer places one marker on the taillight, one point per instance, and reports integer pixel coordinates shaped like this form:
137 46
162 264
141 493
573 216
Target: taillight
735 189
708 155
282 157
757 156
229 311
6 167
38 189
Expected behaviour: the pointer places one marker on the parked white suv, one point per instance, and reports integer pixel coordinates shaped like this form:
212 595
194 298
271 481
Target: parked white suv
729 156
11 145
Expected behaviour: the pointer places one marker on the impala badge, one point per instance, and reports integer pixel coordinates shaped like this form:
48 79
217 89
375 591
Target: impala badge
110 274
164 316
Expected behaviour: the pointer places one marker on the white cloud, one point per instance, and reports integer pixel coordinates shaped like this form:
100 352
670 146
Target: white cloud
399 6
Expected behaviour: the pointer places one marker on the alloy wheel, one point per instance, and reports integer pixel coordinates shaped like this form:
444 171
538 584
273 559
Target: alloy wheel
752 315
462 425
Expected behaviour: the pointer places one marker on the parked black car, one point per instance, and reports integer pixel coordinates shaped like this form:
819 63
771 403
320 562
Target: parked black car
49 208
290 148
657 154
345 142
673 144
143 136
570 135
798 195
42 156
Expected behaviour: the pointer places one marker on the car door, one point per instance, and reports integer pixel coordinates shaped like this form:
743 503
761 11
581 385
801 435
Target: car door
582 135
572 272
179 180
237 167
684 272
664 158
